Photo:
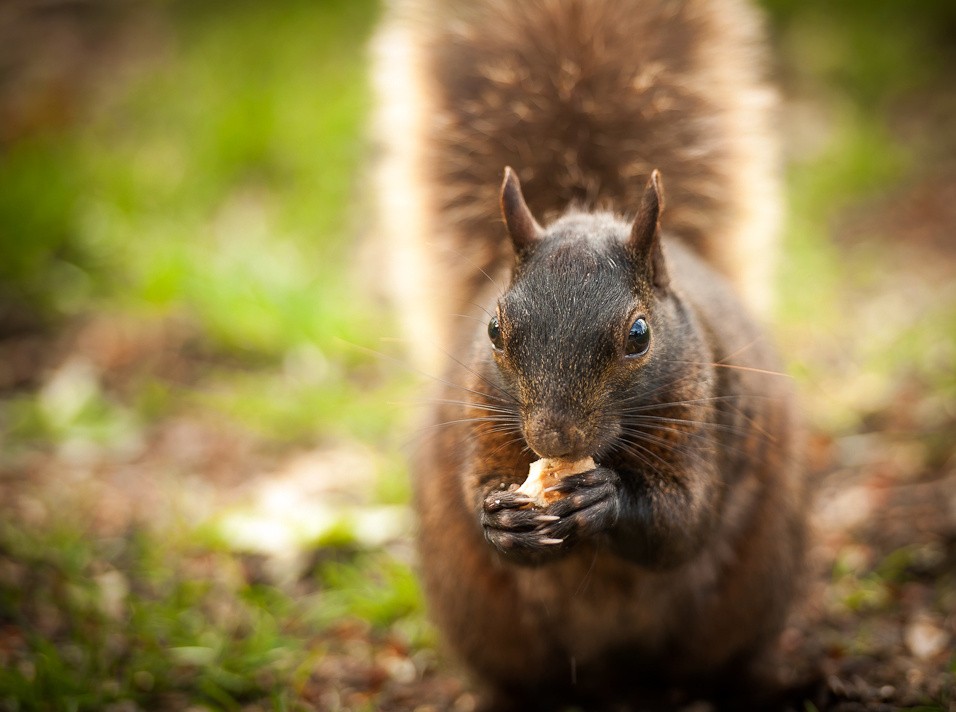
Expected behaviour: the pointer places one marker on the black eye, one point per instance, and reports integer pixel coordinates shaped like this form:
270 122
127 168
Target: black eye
494 333
638 338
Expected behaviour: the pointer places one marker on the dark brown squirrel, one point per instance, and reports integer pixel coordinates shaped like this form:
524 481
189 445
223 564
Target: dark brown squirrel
671 566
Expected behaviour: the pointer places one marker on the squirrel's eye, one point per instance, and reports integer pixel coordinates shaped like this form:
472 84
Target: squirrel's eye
638 338
494 333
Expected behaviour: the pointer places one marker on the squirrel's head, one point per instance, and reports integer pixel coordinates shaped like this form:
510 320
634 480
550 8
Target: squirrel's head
585 322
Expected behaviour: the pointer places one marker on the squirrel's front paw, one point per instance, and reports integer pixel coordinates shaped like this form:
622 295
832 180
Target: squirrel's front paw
588 506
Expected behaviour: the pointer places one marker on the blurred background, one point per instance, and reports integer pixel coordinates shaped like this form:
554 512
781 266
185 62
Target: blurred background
204 413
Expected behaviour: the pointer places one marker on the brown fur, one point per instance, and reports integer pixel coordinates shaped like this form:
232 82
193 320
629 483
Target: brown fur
584 98
594 627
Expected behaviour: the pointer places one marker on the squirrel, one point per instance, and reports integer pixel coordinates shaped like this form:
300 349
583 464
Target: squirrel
666 572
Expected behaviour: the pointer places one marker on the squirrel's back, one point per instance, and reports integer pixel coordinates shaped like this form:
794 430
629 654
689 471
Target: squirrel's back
584 98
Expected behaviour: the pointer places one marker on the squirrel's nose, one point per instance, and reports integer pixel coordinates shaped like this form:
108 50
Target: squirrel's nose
553 436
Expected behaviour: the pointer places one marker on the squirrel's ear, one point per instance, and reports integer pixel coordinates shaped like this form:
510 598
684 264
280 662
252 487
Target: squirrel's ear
522 227
645 239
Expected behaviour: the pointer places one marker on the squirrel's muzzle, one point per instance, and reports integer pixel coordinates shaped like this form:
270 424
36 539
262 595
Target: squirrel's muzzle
556 436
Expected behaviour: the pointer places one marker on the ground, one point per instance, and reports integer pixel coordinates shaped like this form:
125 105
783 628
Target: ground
203 495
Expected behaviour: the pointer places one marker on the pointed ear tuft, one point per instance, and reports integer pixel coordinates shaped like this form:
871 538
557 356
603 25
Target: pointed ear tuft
522 227
645 239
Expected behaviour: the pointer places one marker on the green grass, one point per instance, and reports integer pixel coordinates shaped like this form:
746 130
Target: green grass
860 78
214 185
126 620
220 189
216 189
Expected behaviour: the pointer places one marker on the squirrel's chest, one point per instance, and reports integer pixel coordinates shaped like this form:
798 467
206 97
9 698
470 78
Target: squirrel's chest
594 603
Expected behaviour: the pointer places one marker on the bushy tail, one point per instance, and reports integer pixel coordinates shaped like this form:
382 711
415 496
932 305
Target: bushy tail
584 98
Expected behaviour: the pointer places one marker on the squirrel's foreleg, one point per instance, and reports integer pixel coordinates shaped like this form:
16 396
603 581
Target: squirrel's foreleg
586 510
